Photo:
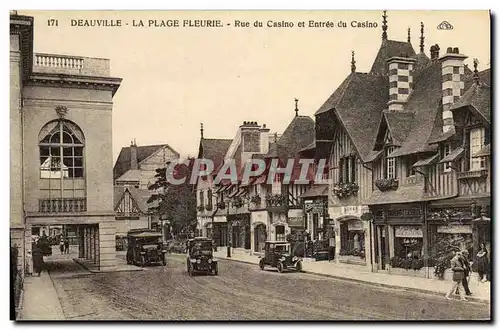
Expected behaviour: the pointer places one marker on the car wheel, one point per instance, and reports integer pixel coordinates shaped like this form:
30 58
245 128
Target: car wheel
298 266
261 264
143 261
280 267
164 261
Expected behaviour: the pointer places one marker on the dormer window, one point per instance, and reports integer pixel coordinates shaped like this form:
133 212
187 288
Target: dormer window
410 160
477 139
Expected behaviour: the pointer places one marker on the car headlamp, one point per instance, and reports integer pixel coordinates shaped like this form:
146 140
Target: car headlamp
209 261
198 261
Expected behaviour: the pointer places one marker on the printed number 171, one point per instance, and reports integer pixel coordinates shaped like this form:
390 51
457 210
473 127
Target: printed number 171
52 22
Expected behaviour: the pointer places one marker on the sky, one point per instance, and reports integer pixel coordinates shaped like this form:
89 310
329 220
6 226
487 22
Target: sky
176 78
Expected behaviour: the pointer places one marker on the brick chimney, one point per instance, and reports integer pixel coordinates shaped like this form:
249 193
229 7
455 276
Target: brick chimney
400 81
250 139
452 67
133 156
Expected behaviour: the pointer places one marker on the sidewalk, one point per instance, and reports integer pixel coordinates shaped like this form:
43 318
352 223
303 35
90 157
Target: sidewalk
40 300
481 291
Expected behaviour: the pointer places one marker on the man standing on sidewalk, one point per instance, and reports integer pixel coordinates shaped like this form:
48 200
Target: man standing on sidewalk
466 265
458 276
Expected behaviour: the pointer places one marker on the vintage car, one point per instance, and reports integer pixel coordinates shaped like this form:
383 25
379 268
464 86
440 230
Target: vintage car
145 247
200 257
278 254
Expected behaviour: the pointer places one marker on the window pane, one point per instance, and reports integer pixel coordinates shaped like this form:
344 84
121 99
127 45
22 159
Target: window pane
78 161
68 161
55 151
44 151
78 151
67 151
44 161
78 172
67 138
55 138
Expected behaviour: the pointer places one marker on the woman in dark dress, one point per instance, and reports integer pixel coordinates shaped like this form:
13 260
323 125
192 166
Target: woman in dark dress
483 266
37 259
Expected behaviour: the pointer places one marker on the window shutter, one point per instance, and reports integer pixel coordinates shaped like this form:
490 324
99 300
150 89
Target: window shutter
353 169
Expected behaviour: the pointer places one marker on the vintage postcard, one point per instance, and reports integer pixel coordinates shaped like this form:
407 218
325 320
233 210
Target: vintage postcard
250 165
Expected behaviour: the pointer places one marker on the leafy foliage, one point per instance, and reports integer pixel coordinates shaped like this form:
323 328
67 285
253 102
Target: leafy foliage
175 202
345 189
387 184
275 200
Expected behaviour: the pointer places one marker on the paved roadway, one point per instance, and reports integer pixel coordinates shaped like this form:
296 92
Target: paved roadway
240 292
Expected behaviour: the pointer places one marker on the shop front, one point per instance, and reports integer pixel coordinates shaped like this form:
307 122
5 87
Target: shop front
351 240
240 231
260 225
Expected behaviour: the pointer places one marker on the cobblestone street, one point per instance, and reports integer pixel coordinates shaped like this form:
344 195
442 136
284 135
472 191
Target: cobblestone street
240 292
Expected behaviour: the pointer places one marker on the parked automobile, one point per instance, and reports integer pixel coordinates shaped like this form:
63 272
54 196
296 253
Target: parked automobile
278 254
200 258
145 247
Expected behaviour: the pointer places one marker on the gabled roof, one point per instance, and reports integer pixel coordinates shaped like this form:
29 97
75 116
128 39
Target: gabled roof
388 49
299 134
398 123
130 175
358 102
479 98
140 196
122 164
214 149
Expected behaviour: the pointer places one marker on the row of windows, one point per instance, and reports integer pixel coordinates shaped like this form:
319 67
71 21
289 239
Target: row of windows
449 77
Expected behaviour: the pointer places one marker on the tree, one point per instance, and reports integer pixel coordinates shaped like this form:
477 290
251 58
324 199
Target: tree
175 202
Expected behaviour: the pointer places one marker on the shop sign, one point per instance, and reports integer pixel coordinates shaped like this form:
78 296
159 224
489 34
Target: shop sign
408 231
355 225
351 210
464 229
296 222
314 207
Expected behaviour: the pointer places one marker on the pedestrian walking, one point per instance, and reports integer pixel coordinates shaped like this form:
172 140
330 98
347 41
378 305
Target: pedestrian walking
467 272
37 255
61 245
483 265
66 246
458 276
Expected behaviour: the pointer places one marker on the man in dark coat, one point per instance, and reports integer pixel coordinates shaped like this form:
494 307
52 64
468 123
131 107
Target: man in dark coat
37 255
466 265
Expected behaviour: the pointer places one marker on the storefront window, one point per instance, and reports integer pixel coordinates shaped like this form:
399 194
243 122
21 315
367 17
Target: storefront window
352 239
280 233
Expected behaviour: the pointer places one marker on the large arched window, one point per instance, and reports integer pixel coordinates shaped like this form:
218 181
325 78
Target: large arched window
61 145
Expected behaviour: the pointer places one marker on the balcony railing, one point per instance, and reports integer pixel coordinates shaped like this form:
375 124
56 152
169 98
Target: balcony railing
63 205
73 65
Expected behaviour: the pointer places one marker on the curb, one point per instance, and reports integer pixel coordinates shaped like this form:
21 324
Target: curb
19 309
475 299
96 271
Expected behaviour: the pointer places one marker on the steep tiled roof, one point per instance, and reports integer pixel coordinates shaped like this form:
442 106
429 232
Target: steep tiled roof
399 123
214 149
359 102
122 164
426 102
388 49
422 61
298 134
404 194
130 175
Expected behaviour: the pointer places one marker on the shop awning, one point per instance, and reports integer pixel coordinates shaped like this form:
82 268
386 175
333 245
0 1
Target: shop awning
453 156
485 151
316 191
427 161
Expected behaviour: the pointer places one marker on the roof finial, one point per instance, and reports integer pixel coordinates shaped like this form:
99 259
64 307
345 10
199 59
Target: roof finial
384 25
296 107
201 130
353 62
476 73
409 35
422 38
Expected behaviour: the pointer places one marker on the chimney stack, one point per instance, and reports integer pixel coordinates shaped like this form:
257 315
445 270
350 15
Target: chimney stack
435 52
264 139
133 156
452 66
400 81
